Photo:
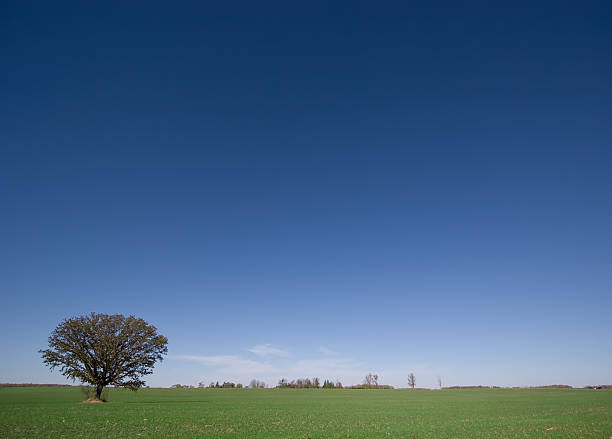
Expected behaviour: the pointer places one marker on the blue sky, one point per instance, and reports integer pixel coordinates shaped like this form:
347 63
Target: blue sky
316 190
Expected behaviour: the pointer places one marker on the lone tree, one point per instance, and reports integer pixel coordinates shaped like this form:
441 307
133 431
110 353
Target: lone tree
371 380
102 350
411 380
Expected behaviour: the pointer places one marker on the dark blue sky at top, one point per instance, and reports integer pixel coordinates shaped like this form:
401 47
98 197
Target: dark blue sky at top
350 175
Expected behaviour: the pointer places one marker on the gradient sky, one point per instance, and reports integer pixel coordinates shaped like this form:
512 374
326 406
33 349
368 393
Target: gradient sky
315 190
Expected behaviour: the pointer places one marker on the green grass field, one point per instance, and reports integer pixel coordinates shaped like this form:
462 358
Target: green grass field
56 412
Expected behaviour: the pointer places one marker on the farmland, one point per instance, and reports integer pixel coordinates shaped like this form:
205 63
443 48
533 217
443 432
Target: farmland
47 412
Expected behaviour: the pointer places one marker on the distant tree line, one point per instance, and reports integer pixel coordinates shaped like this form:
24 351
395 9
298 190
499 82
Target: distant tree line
370 381
181 386
225 385
32 385
212 385
254 384
307 383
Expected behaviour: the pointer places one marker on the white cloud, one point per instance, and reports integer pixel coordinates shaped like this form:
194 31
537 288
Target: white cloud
230 365
264 350
327 351
273 364
270 369
346 370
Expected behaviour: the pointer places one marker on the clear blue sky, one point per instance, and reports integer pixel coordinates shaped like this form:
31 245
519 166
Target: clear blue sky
320 190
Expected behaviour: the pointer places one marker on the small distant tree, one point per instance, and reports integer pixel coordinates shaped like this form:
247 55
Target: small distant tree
239 386
439 381
201 385
316 383
371 380
338 385
411 380
103 350
256 384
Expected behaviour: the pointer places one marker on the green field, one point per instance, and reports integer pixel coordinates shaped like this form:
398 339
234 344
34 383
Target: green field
57 412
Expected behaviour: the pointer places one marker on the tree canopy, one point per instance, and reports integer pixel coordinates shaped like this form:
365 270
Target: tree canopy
102 350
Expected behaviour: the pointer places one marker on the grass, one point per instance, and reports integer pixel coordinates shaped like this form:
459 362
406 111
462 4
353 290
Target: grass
47 412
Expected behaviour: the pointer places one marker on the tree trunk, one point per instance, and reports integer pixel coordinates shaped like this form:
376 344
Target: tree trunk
99 389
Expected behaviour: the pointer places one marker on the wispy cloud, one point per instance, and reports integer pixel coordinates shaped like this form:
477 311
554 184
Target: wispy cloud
327 351
264 350
270 366
230 364
274 364
346 369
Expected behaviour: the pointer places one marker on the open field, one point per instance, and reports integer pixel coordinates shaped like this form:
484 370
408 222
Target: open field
47 412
